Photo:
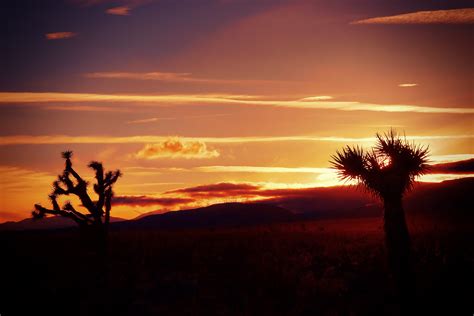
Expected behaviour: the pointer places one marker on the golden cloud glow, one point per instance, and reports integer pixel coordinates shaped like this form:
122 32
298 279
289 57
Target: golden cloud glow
450 158
150 120
176 148
454 16
407 85
22 180
59 35
254 169
20 189
46 97
443 177
317 98
123 10
144 139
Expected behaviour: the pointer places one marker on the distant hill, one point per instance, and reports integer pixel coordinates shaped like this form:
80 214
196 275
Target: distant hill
53 222
449 199
217 215
452 198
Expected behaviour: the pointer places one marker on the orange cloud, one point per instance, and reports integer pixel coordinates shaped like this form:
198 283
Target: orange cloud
144 139
317 98
128 3
20 180
123 10
407 85
142 200
255 169
185 77
161 100
176 148
454 16
149 120
219 190
59 35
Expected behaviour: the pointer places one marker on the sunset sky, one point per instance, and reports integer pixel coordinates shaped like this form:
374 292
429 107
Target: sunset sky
203 101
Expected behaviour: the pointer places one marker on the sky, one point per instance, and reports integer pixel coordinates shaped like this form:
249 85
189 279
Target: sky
228 98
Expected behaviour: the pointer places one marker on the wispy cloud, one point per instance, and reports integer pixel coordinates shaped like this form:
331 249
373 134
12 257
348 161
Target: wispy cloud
23 180
87 108
443 177
454 16
156 119
450 158
161 100
456 167
122 10
256 169
142 200
129 3
59 35
181 77
317 98
149 139
219 190
407 85
149 120
176 148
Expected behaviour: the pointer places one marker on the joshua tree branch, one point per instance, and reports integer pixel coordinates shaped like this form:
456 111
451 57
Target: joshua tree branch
41 211
68 207
108 205
66 185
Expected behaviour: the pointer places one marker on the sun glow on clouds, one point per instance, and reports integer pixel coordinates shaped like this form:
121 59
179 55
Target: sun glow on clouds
160 100
443 177
407 85
254 169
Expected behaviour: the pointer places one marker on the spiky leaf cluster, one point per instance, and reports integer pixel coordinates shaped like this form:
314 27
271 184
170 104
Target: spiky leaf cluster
388 170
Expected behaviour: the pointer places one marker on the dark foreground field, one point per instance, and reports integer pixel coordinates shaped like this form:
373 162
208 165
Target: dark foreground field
327 267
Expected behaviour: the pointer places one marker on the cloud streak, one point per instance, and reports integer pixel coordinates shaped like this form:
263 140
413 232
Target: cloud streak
176 148
162 100
255 169
454 16
145 139
59 35
175 77
142 200
122 10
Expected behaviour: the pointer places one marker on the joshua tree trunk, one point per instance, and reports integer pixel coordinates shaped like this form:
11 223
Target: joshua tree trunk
398 245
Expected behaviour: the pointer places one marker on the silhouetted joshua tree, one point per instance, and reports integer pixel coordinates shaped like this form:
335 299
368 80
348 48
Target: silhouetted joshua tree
388 171
97 217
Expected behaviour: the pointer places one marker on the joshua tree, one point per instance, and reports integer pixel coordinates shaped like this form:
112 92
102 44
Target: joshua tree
97 219
388 171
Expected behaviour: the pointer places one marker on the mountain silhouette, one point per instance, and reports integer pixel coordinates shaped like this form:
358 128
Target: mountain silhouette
449 199
217 215
52 222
